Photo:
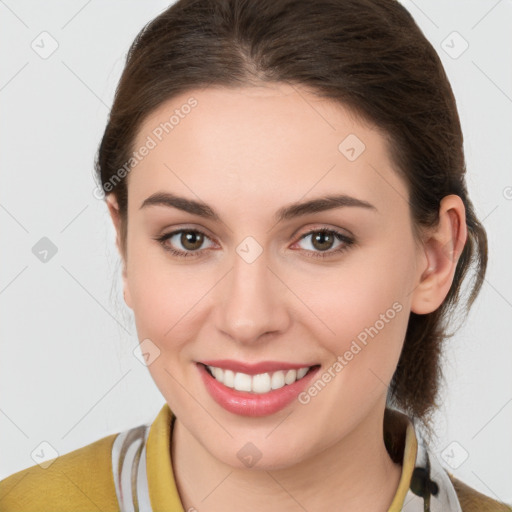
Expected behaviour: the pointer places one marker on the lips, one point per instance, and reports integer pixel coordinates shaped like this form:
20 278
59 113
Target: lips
255 389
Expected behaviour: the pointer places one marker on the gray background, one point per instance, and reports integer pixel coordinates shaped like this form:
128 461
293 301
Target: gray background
68 374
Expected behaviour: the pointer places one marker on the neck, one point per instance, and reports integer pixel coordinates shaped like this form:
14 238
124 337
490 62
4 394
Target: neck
357 473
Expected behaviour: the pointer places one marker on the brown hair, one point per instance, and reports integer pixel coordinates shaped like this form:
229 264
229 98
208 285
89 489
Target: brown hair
368 55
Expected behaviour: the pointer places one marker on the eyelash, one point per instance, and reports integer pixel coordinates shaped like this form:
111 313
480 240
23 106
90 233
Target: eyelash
347 243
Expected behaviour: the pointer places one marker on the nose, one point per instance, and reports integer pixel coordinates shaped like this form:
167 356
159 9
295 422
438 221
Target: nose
251 302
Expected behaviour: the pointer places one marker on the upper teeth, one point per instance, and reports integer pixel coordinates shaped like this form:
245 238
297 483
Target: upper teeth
260 383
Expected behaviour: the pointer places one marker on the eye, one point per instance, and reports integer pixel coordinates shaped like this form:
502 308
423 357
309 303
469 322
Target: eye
320 245
322 241
190 239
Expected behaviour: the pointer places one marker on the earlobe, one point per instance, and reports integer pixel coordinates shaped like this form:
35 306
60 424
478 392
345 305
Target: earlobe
441 249
113 209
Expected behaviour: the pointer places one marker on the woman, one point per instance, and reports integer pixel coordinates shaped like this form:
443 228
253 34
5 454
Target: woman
286 180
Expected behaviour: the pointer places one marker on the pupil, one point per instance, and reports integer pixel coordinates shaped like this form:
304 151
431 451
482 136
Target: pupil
324 239
191 240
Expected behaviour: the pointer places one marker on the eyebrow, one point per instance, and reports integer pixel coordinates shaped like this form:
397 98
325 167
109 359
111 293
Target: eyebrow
290 211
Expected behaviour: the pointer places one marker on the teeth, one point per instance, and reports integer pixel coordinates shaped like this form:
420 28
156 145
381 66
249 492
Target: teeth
301 372
217 373
259 384
277 380
228 379
290 377
243 382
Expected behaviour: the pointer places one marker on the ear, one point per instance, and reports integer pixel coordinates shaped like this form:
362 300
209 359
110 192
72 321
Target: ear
440 253
113 209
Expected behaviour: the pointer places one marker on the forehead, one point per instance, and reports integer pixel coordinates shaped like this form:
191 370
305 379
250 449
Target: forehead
261 142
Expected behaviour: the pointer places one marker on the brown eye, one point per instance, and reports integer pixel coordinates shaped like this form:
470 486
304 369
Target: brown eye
322 240
191 240
184 243
324 243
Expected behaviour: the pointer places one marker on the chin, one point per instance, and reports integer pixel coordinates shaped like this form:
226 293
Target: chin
263 455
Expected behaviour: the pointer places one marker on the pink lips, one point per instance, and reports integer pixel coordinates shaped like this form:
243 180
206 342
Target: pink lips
252 404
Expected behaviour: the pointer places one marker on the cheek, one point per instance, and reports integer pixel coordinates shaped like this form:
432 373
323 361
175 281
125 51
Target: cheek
162 295
366 307
163 298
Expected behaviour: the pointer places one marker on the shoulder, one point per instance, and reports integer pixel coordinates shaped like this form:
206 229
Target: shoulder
77 481
473 501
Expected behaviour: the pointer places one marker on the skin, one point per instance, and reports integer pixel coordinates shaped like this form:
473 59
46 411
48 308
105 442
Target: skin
247 152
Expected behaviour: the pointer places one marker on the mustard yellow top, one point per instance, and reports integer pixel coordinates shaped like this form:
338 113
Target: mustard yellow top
83 480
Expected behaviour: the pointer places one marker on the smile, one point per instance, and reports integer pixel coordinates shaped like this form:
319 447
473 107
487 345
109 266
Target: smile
255 389
260 383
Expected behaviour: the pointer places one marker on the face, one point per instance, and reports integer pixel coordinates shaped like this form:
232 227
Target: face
327 289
